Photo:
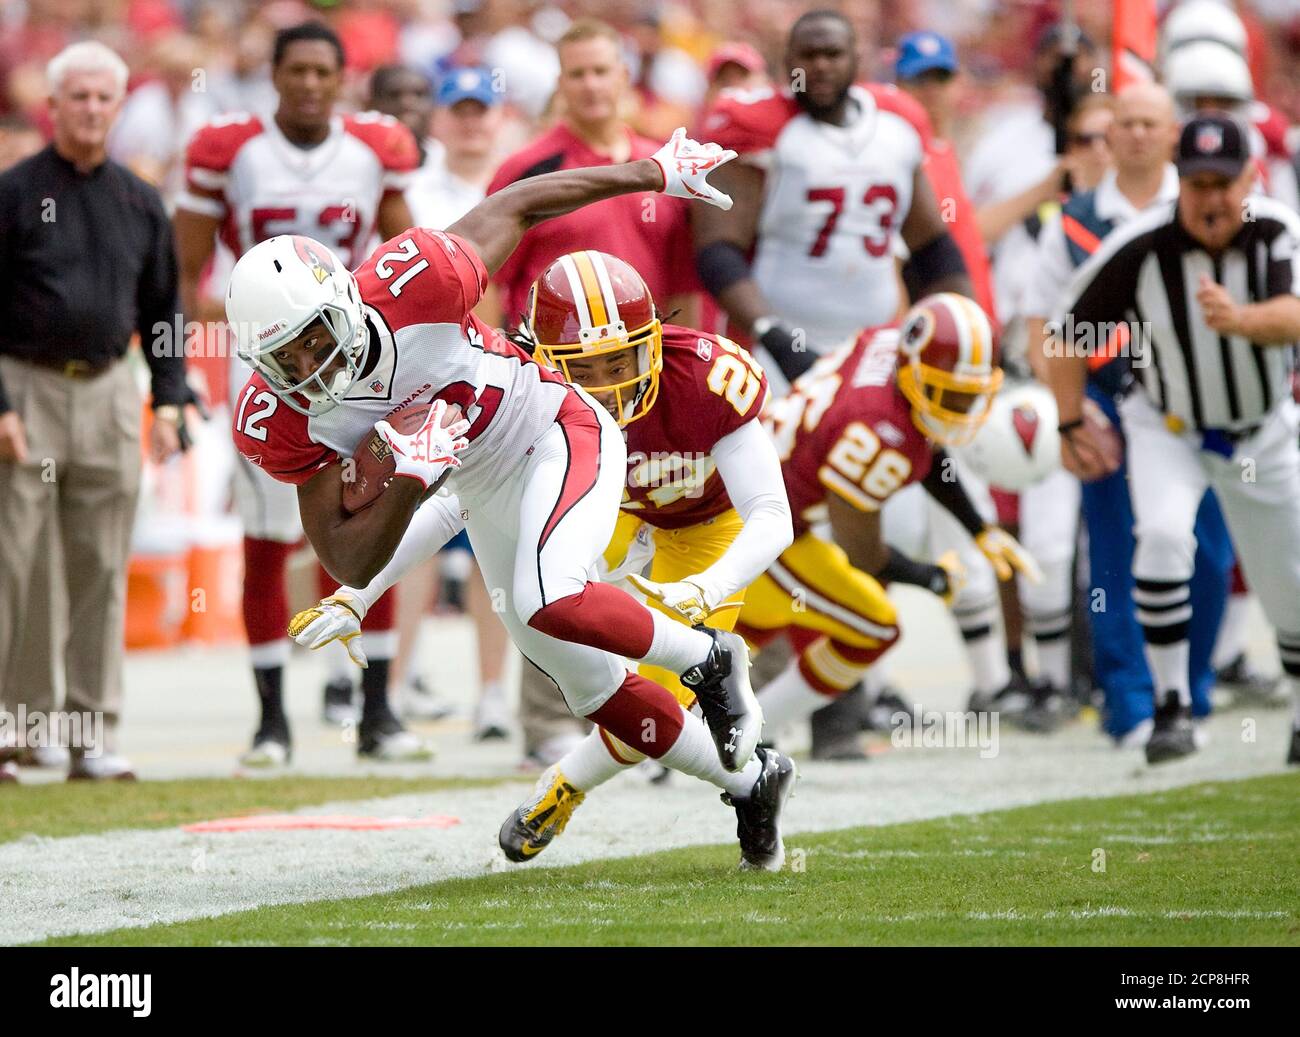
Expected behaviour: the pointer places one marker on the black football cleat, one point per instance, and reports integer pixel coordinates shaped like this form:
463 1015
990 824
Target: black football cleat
1250 687
534 824
271 746
721 684
1172 736
337 708
758 816
1047 709
1293 754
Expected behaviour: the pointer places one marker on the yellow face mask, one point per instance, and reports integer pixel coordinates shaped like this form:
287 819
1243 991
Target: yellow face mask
595 365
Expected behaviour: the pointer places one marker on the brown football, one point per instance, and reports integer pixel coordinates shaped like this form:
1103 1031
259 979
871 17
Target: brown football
372 466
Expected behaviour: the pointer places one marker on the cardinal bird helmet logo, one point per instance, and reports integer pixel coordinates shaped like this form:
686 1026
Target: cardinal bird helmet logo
316 259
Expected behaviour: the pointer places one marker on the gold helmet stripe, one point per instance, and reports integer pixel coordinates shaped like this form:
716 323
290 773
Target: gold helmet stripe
591 288
570 269
978 325
606 286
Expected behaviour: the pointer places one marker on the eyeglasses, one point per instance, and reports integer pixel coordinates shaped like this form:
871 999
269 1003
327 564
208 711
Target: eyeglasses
1087 140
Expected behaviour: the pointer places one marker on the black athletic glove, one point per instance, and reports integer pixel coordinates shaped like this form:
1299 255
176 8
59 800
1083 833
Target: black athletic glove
794 358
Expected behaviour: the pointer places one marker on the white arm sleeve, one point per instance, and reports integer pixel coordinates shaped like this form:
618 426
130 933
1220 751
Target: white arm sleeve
435 522
751 472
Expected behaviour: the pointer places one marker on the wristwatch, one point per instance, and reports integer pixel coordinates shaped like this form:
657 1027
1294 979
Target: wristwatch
168 412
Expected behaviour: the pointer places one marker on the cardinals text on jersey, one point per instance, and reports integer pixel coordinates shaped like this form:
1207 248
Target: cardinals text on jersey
834 199
241 169
846 428
424 344
709 387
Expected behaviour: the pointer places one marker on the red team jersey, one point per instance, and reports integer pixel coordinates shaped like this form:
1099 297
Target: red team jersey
846 429
417 291
709 387
651 231
242 170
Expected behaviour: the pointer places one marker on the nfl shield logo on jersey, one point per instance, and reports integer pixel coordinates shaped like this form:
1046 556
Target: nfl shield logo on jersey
376 386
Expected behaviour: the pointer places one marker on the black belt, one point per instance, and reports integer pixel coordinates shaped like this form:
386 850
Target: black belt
71 368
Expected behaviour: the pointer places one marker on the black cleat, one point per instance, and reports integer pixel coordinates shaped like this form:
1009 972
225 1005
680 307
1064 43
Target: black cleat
1293 754
1009 703
337 708
758 816
1047 709
383 738
271 745
880 713
1250 687
721 683
1173 736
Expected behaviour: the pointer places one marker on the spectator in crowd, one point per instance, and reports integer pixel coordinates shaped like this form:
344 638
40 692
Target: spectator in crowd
456 164
1006 192
458 137
927 69
87 260
649 231
734 66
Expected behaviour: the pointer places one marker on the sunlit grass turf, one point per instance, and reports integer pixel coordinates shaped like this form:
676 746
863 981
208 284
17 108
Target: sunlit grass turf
78 808
1209 864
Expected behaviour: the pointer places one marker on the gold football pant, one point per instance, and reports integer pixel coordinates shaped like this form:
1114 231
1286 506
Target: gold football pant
678 553
839 618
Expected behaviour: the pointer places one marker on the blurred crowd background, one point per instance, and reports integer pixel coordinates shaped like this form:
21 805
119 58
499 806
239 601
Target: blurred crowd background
191 60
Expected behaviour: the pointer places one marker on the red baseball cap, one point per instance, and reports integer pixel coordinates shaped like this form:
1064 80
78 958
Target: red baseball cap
735 53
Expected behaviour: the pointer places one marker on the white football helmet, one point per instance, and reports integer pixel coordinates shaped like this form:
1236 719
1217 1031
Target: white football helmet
1206 69
278 288
1195 21
1019 444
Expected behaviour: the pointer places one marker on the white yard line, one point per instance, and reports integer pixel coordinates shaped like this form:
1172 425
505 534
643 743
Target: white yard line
82 884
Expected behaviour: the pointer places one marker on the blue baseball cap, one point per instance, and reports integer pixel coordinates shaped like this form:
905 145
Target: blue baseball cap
467 84
920 52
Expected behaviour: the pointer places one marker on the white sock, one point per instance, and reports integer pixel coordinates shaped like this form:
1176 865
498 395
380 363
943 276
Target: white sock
1169 670
788 697
589 763
676 647
695 754
1054 661
1231 641
988 663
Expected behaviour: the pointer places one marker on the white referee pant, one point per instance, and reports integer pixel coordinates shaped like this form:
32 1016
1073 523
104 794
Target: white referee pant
1258 488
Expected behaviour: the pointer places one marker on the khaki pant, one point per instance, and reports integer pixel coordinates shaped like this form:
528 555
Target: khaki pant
82 477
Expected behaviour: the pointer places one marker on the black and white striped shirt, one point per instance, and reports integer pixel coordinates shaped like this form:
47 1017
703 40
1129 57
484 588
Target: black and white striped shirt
1146 275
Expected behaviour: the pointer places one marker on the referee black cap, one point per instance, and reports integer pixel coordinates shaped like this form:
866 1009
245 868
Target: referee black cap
1213 142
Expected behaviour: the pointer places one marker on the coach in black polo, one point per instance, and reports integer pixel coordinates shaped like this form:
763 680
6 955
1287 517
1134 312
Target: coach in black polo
1208 287
86 260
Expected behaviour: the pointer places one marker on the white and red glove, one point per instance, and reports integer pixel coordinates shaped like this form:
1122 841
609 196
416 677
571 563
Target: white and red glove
686 164
689 598
430 450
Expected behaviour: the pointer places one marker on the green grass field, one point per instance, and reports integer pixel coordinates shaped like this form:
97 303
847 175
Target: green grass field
1211 864
76 808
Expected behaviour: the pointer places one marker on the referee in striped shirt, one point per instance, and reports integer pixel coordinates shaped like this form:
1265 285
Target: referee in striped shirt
1206 288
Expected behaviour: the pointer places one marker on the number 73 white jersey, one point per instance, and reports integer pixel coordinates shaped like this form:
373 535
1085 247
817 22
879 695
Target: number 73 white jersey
834 199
